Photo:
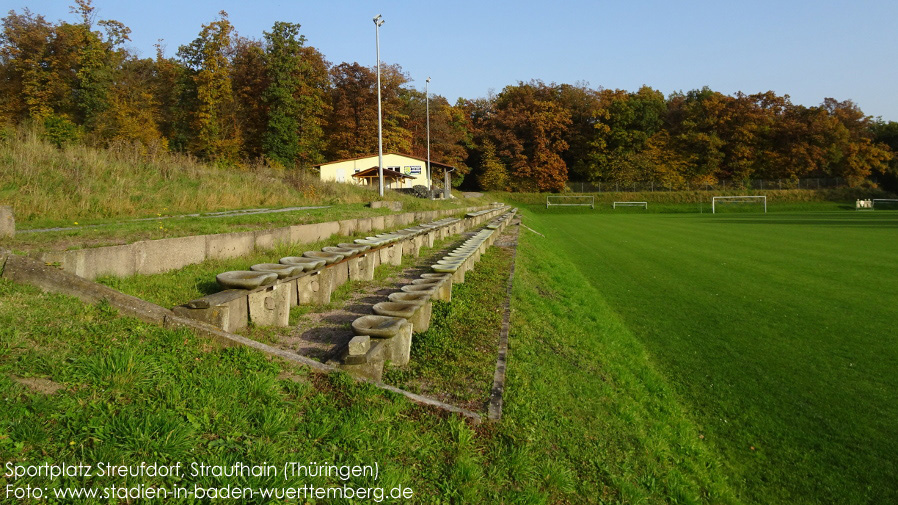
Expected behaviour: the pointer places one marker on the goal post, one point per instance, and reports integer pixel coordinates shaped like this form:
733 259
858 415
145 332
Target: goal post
570 201
738 199
644 205
884 203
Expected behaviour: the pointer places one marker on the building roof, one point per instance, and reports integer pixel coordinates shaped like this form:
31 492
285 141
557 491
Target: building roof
432 163
372 172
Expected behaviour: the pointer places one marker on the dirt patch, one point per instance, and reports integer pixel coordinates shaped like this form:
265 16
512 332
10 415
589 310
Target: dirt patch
38 385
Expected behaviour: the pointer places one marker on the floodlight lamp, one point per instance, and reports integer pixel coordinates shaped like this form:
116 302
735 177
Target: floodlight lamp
378 20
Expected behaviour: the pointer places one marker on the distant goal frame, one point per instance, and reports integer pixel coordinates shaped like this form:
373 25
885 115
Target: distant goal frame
883 200
741 198
644 205
591 204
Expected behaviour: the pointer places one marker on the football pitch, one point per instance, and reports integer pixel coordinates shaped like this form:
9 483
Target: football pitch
776 331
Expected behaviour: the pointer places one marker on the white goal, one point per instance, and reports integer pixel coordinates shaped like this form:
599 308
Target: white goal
644 205
570 201
738 200
884 203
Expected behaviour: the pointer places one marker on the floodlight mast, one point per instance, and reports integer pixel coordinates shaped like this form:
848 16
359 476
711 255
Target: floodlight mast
378 21
427 113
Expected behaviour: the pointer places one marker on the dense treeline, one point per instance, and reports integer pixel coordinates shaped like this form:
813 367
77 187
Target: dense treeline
233 100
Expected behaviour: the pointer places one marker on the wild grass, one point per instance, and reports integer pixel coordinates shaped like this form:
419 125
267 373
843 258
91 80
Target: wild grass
134 392
774 330
99 233
49 186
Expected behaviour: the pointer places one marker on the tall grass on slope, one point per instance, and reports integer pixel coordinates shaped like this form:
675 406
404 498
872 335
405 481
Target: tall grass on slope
44 183
586 401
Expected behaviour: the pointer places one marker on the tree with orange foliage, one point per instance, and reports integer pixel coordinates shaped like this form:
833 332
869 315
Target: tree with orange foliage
527 128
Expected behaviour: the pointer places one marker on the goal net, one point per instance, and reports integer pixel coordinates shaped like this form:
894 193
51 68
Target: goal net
570 201
738 200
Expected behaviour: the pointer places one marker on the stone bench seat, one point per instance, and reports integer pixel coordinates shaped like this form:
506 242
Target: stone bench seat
416 313
328 257
358 247
396 333
308 264
345 251
245 279
264 294
283 271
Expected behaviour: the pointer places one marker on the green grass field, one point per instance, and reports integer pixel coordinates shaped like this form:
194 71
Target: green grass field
587 417
776 333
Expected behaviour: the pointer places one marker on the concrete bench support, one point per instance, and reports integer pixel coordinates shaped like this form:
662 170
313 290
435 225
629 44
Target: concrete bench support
399 348
396 253
356 268
228 310
363 357
270 306
340 274
313 288
411 247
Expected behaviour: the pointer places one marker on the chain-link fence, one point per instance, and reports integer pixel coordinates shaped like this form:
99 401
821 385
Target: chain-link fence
723 185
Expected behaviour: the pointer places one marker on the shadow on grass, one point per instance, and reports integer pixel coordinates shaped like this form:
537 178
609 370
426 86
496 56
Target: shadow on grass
208 287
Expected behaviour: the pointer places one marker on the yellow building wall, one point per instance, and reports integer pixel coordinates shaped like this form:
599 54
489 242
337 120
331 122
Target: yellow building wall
342 171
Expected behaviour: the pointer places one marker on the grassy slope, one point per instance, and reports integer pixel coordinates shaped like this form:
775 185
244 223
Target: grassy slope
774 329
583 386
107 190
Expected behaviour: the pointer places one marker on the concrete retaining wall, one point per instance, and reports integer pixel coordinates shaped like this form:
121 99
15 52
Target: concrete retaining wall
157 256
7 222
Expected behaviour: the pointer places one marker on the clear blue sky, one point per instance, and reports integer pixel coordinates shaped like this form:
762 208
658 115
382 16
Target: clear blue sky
808 49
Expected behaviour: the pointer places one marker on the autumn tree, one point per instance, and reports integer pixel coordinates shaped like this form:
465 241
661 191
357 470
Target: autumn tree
295 98
448 131
133 113
493 175
281 139
65 70
527 128
314 106
175 90
621 131
352 125
886 135
208 57
249 75
29 85
693 121
852 153
585 108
